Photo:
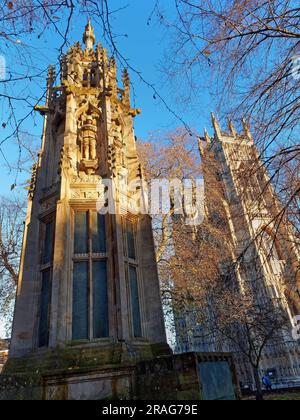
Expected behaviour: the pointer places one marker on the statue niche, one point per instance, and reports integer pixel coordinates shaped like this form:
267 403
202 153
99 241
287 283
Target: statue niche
117 133
88 134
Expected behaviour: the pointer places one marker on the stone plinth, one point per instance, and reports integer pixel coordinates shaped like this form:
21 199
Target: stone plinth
92 375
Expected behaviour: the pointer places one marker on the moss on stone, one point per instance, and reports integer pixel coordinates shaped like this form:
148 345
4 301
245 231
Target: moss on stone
161 378
81 358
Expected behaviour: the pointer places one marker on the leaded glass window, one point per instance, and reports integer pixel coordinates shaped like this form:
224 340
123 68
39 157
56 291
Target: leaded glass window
44 309
131 262
135 301
130 240
47 249
81 301
90 281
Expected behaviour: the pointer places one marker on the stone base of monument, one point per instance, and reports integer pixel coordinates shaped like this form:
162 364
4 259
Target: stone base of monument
96 374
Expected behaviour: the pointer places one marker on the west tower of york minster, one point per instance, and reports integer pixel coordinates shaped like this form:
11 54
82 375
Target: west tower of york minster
262 248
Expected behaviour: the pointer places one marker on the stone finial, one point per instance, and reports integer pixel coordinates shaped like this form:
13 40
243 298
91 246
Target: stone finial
100 52
113 75
50 84
200 146
216 126
125 78
63 68
32 184
51 75
126 84
113 69
247 129
113 65
89 36
105 56
232 127
207 136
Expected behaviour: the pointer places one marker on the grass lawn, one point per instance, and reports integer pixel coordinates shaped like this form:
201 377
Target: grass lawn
293 396
285 396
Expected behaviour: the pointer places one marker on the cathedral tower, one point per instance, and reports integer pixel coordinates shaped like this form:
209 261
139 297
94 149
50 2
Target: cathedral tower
254 212
88 275
263 246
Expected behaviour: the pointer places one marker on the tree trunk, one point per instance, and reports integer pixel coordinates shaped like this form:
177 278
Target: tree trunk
259 392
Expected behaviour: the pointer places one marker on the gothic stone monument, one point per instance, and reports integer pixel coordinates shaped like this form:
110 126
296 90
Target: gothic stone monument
88 320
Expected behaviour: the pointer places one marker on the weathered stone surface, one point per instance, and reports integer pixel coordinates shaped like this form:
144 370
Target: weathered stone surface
85 357
88 138
162 378
88 141
21 387
177 377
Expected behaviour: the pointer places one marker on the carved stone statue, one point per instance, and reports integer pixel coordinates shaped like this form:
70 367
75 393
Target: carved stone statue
89 162
116 129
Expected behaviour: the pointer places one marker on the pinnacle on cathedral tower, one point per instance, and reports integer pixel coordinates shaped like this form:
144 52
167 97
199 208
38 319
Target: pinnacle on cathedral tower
232 128
231 135
89 36
216 125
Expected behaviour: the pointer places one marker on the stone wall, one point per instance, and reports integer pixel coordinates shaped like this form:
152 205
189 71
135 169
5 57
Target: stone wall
161 378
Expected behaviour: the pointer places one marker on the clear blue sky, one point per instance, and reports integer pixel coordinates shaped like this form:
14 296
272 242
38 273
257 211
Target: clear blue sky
144 46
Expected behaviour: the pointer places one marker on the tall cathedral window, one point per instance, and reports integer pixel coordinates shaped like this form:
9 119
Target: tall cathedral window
47 232
133 277
90 285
